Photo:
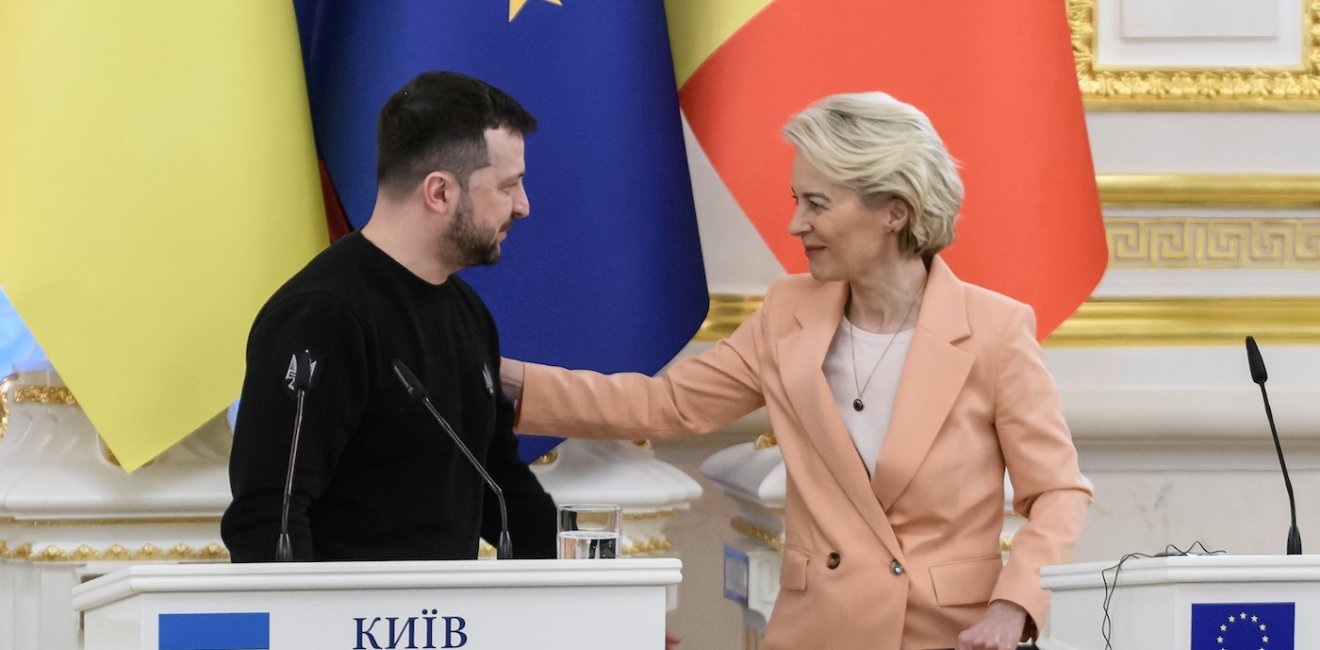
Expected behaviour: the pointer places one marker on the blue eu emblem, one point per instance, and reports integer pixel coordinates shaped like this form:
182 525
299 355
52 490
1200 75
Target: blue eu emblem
222 631
1243 626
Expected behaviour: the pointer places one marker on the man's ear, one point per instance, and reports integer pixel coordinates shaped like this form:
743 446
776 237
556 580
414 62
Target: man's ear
440 191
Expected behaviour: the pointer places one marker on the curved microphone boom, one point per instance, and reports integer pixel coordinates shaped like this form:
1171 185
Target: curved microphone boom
1258 375
297 381
415 390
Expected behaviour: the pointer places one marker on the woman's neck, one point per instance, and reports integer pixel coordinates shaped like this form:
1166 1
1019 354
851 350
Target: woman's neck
888 299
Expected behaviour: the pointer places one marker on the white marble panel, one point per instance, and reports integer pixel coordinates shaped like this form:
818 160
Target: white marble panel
1199 18
1187 34
1165 283
1205 143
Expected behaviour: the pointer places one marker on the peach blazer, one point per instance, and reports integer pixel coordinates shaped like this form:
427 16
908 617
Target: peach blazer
906 559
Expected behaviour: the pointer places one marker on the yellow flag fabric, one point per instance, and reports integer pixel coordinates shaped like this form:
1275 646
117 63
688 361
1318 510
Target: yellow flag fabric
698 27
157 182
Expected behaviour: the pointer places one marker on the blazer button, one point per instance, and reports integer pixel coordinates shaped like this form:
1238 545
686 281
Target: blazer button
896 568
833 561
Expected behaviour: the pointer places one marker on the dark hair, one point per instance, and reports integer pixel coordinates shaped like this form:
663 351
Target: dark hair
439 122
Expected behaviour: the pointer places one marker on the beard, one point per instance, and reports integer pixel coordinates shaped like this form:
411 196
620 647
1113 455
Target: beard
471 246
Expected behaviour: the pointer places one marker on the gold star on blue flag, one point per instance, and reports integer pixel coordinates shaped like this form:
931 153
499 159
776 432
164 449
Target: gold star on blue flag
516 6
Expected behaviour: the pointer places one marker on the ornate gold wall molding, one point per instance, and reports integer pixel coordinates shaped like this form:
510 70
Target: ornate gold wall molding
13 392
1210 89
128 521
1276 191
727 312
1126 322
118 553
1130 322
772 539
1213 243
5 385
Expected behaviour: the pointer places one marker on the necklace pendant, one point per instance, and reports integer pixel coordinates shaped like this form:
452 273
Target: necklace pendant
858 405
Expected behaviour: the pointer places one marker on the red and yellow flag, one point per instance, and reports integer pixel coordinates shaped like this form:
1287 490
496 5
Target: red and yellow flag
996 78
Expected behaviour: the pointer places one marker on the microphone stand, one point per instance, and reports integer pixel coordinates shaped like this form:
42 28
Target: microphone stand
415 390
284 547
1294 536
503 550
1260 376
301 374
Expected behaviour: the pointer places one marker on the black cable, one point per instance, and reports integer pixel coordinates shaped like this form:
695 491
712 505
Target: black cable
1107 623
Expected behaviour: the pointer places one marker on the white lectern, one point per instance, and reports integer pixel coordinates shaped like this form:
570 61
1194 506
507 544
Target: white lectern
477 604
1187 602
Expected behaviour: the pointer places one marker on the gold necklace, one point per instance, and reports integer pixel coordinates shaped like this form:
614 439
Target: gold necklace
858 404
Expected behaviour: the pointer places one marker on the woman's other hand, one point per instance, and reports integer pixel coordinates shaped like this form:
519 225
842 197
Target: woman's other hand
999 629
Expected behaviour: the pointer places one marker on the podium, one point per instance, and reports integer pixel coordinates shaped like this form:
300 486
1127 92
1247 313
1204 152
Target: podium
1187 602
473 604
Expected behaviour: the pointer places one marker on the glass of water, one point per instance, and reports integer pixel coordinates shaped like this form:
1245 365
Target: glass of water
589 531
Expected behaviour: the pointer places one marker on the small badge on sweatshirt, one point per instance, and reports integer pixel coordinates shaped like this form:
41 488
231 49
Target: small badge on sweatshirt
490 383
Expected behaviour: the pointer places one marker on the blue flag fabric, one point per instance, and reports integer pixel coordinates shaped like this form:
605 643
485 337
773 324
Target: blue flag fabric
19 352
606 274
1243 626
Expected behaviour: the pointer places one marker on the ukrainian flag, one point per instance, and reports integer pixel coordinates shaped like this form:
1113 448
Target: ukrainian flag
157 183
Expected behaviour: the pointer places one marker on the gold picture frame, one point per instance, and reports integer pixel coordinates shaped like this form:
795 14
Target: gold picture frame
1209 89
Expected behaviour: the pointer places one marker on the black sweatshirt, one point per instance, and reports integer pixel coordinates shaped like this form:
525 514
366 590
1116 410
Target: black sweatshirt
376 476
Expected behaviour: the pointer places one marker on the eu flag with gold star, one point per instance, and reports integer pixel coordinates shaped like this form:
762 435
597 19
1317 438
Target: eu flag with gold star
1243 626
606 273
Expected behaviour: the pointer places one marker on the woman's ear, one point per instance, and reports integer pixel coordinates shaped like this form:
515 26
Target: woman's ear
897 213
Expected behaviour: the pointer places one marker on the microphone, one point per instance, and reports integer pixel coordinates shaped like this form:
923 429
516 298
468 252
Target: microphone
1258 375
415 390
298 379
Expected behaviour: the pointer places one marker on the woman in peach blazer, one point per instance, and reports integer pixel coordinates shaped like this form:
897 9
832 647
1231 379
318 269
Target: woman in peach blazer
895 471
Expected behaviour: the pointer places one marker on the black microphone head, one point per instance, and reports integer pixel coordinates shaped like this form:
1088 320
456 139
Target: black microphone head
1255 362
308 363
409 381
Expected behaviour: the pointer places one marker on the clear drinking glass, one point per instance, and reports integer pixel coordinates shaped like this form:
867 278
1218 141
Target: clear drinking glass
589 531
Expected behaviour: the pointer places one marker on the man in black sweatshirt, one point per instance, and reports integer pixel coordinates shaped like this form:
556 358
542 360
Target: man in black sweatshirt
376 476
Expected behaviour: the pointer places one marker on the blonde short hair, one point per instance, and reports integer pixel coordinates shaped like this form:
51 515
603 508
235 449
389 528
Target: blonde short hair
882 148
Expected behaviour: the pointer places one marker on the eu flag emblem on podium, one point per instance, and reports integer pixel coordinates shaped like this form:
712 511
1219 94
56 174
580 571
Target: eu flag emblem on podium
206 631
1243 626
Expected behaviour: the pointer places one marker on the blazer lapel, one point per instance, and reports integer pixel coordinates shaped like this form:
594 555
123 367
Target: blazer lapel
802 354
933 376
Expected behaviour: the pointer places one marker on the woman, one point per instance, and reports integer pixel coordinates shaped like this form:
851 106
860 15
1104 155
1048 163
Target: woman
898 393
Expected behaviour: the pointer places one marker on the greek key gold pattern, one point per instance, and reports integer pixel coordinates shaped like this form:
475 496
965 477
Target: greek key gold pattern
1194 89
116 553
1213 243
772 539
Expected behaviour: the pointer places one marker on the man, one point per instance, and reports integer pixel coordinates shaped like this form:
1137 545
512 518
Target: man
376 477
